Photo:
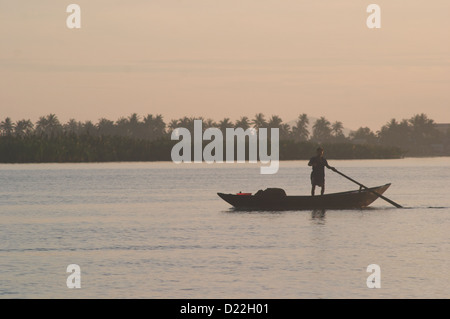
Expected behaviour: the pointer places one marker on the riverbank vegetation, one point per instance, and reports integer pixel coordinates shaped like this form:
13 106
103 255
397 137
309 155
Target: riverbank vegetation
136 138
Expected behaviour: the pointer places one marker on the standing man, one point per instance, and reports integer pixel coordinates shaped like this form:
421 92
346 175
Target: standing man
318 164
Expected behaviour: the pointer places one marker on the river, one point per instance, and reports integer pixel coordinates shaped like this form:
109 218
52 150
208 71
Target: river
158 230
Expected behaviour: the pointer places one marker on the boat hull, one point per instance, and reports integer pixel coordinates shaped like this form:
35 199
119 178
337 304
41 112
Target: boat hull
346 200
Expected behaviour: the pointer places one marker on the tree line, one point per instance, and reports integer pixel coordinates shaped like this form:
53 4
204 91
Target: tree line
147 138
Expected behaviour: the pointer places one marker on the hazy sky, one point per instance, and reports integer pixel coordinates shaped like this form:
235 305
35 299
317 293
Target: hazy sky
226 58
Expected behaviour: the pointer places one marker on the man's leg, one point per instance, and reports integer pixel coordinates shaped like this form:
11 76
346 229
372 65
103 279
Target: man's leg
313 189
322 190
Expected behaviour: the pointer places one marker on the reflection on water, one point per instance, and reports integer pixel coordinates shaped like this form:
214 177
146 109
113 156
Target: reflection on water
319 215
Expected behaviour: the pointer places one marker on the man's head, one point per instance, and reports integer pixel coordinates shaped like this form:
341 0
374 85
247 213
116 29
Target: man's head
319 151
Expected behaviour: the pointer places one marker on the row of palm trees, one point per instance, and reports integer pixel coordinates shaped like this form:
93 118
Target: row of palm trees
150 127
153 127
298 132
416 131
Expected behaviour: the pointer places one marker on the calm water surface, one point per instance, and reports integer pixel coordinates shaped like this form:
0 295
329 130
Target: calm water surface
158 230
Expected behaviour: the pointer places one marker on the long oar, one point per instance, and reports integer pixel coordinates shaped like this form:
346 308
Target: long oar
379 195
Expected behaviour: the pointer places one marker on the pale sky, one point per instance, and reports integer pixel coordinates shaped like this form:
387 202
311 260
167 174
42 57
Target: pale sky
226 58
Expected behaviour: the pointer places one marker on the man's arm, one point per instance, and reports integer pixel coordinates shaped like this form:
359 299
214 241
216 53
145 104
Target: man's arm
328 166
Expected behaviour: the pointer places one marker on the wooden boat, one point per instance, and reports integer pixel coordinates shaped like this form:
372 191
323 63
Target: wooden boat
280 201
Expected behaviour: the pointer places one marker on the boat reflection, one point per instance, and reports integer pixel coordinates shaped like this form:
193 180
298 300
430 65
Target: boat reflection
318 215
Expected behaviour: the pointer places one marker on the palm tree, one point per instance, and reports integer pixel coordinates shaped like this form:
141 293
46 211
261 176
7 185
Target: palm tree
300 130
321 130
337 129
7 127
159 126
153 127
53 124
395 133
188 123
89 128
210 123
106 127
224 124
23 128
259 121
423 129
285 131
276 122
243 123
72 127
134 125
363 135
48 125
41 125
148 127
173 124
122 126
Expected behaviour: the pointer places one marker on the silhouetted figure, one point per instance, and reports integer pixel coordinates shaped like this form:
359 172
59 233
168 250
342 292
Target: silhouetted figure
318 164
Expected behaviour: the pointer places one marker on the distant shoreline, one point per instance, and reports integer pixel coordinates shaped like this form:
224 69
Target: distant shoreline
149 139
86 149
